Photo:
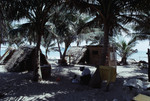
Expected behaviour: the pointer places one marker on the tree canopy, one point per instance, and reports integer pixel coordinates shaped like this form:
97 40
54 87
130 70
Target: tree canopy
109 15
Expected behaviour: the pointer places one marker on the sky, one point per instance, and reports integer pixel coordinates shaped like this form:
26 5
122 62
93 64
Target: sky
142 48
142 45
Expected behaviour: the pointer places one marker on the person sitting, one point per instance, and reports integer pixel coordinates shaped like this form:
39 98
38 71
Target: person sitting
85 76
75 80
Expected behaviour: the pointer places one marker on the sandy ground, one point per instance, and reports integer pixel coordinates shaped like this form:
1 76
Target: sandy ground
19 87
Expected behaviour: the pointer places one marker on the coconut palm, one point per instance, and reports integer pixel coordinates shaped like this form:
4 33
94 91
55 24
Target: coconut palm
143 29
48 41
37 13
4 25
66 23
111 15
125 48
96 36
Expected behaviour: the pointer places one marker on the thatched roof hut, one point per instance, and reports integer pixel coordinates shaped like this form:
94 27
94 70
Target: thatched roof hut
22 59
76 54
91 55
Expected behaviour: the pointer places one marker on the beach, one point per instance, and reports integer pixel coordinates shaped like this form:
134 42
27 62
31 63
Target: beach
19 86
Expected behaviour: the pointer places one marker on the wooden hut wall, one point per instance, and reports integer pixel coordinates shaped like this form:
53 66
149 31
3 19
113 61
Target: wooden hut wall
95 55
91 55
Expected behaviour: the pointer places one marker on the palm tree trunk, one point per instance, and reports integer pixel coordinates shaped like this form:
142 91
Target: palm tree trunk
148 53
96 80
64 54
78 42
105 47
46 52
0 49
59 49
37 76
124 60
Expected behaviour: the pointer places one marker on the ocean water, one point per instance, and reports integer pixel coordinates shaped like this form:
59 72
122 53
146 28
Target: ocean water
51 55
2 51
140 55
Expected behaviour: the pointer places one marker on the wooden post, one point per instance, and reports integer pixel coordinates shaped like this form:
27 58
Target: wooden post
69 59
148 53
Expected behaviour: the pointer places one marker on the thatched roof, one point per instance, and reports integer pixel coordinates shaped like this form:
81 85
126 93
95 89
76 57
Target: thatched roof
76 53
23 59
6 55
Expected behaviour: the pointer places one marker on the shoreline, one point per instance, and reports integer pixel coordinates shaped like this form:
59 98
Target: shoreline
140 56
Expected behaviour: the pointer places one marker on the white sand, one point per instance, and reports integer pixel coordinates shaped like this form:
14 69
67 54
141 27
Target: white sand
19 87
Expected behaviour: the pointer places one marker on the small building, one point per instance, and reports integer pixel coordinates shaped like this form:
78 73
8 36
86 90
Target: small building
91 55
21 59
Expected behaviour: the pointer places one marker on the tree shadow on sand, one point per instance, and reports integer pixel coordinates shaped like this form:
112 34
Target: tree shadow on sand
19 86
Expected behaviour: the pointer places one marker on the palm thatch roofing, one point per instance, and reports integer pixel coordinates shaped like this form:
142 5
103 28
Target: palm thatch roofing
6 56
23 59
90 55
76 53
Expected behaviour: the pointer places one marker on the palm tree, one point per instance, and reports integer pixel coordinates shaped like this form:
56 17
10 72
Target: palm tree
4 25
66 24
64 30
111 15
48 42
96 36
143 29
125 48
37 13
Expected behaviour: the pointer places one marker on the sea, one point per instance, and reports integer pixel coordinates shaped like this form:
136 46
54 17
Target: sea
139 56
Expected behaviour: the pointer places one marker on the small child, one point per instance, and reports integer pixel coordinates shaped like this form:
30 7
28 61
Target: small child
75 80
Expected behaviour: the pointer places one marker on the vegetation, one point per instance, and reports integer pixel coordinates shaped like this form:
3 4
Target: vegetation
66 24
38 14
110 16
48 42
125 48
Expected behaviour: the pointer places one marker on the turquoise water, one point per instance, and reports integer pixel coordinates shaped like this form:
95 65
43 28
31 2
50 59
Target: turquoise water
141 55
